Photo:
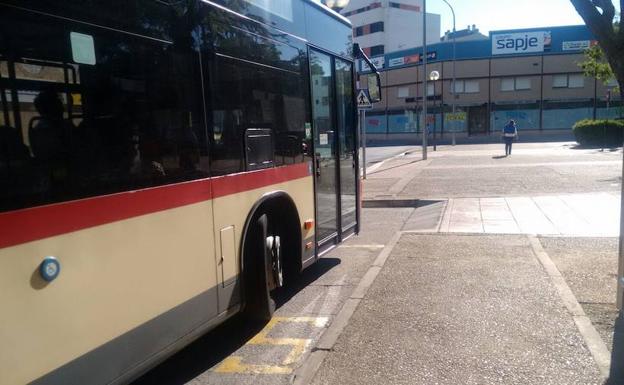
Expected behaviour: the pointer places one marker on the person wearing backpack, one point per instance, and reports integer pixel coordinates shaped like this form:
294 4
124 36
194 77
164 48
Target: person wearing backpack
510 132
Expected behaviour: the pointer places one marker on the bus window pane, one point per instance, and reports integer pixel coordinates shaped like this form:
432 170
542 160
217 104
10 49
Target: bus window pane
247 96
132 120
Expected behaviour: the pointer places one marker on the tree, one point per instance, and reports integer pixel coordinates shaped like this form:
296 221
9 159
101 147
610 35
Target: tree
595 65
599 15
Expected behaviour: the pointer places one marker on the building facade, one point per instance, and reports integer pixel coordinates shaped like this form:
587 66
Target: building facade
531 76
383 26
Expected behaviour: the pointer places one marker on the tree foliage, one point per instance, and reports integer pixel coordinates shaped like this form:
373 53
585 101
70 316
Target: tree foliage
600 17
596 66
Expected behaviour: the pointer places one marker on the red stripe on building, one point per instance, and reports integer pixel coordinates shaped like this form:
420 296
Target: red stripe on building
35 223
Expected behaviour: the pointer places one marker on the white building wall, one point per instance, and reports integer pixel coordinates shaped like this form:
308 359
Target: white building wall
402 27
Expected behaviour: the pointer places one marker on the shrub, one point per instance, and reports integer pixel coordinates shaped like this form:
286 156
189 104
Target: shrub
609 133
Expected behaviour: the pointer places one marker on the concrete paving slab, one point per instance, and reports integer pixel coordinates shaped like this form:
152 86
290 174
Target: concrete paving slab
600 211
589 266
500 227
529 217
426 218
565 219
451 309
586 214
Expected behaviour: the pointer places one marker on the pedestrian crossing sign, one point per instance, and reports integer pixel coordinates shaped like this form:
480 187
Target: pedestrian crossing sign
363 100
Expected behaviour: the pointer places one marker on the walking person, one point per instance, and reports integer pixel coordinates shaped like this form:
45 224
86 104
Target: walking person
510 132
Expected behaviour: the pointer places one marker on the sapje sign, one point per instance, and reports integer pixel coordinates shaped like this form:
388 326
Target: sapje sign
522 42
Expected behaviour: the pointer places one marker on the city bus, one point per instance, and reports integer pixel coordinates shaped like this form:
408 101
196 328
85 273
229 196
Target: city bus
164 165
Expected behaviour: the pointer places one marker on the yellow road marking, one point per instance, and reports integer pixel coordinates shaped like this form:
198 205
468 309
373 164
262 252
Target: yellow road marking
234 364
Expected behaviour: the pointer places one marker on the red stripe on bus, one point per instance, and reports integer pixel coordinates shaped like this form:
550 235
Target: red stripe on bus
235 183
40 222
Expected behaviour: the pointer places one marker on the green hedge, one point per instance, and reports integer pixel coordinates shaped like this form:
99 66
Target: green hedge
609 133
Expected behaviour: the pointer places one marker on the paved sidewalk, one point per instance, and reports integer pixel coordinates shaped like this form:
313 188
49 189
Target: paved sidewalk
590 214
461 309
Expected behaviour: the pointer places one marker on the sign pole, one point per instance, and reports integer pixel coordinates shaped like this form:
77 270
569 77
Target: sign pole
363 125
363 103
620 280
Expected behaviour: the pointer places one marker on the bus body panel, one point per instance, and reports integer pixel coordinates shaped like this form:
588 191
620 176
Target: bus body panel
119 276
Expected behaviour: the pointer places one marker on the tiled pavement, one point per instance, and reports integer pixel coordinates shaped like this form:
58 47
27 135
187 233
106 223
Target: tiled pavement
587 214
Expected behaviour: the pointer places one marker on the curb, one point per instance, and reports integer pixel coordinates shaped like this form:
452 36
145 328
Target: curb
304 374
378 165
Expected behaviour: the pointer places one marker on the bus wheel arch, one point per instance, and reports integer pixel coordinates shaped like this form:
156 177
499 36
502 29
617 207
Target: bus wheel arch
272 237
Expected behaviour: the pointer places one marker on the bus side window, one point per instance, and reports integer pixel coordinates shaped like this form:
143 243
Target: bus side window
266 99
128 116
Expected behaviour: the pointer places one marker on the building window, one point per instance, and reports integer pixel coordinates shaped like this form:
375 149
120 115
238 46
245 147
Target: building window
368 29
404 6
568 81
403 92
377 50
560 81
466 86
508 84
523 83
363 9
430 89
471 87
459 86
515 84
377 27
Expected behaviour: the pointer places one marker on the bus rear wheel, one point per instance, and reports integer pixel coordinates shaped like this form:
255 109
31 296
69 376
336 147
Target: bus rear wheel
264 274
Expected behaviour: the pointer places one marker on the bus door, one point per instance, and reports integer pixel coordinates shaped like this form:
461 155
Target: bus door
347 155
334 147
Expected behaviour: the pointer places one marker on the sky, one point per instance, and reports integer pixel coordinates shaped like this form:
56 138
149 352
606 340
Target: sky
492 15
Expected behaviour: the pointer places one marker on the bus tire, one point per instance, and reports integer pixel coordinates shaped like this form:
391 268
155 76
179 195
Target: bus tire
271 253
260 249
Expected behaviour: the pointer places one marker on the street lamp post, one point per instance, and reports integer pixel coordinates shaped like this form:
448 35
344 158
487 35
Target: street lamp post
453 82
424 56
434 76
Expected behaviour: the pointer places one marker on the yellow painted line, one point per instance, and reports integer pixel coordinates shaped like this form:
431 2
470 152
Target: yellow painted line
319 322
234 364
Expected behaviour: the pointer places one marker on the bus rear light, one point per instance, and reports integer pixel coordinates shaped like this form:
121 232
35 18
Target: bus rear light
308 224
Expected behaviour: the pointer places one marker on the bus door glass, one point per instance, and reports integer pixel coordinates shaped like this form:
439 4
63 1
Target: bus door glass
346 145
325 143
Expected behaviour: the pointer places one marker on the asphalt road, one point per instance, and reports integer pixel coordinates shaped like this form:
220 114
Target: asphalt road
483 171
